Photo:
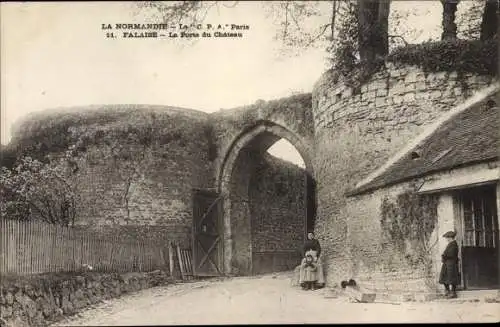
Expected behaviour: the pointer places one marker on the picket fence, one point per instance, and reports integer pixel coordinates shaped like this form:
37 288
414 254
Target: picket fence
37 247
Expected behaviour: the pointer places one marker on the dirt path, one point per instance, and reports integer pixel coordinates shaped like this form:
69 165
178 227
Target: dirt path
268 299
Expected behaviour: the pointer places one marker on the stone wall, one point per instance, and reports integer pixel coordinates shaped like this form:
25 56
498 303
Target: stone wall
267 213
375 262
278 212
277 206
357 133
43 299
241 228
136 165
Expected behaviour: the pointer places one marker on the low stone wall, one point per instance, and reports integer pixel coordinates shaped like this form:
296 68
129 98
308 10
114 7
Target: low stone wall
43 299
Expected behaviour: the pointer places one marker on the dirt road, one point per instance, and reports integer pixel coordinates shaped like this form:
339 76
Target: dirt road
268 299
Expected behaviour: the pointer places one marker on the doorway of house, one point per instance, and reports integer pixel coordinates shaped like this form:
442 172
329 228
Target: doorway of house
480 244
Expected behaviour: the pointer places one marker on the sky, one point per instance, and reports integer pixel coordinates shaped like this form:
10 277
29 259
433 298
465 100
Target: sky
57 55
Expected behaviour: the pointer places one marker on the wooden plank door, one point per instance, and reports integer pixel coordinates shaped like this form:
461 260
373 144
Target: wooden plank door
207 234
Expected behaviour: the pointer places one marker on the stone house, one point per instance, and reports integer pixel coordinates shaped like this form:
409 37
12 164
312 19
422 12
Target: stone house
455 160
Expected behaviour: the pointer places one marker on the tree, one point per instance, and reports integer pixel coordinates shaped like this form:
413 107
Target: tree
345 51
355 33
8 156
449 26
37 191
489 24
373 23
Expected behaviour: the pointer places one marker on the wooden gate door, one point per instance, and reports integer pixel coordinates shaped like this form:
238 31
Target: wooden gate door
480 249
207 234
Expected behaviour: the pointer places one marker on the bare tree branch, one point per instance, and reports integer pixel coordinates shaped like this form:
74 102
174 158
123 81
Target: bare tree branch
40 211
295 20
321 33
286 20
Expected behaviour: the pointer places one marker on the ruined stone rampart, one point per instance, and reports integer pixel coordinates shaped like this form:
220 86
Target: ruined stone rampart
137 166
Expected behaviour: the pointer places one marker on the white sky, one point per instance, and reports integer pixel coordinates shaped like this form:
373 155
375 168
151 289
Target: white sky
56 54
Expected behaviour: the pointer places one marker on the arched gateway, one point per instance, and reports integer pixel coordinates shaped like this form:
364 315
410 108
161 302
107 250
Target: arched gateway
228 238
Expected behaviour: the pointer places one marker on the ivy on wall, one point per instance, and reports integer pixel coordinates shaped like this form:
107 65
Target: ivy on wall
407 223
462 56
478 57
57 131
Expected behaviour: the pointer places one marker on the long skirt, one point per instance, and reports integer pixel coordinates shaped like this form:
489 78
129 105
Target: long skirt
309 274
302 274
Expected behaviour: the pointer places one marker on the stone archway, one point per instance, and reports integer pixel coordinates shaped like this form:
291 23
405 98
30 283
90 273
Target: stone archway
233 183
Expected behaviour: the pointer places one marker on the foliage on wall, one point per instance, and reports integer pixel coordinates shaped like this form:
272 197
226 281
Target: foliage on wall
57 130
462 56
407 223
295 110
282 178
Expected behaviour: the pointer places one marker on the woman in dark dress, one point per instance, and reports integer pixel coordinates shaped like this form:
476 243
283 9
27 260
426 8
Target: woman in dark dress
312 244
449 275
312 248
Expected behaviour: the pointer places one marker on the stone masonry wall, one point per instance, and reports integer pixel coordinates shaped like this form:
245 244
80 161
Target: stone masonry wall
357 133
159 197
156 195
43 299
240 212
136 166
277 207
267 210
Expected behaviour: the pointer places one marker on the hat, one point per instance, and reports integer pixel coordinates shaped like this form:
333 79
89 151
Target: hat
450 234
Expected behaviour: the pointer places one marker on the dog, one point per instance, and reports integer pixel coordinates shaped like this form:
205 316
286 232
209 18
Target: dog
350 282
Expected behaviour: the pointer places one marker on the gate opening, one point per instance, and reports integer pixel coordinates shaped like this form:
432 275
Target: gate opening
269 204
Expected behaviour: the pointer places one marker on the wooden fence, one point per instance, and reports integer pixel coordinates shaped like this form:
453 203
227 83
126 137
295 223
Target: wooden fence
36 247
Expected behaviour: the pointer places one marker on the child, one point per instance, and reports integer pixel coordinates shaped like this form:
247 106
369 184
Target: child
309 276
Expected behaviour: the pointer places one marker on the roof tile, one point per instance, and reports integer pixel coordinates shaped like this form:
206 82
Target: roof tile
471 136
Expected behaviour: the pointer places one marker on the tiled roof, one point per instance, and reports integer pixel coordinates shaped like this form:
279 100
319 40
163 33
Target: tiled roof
469 137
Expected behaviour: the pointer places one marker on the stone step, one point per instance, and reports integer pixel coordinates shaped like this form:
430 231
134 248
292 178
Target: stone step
359 294
367 296
478 294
